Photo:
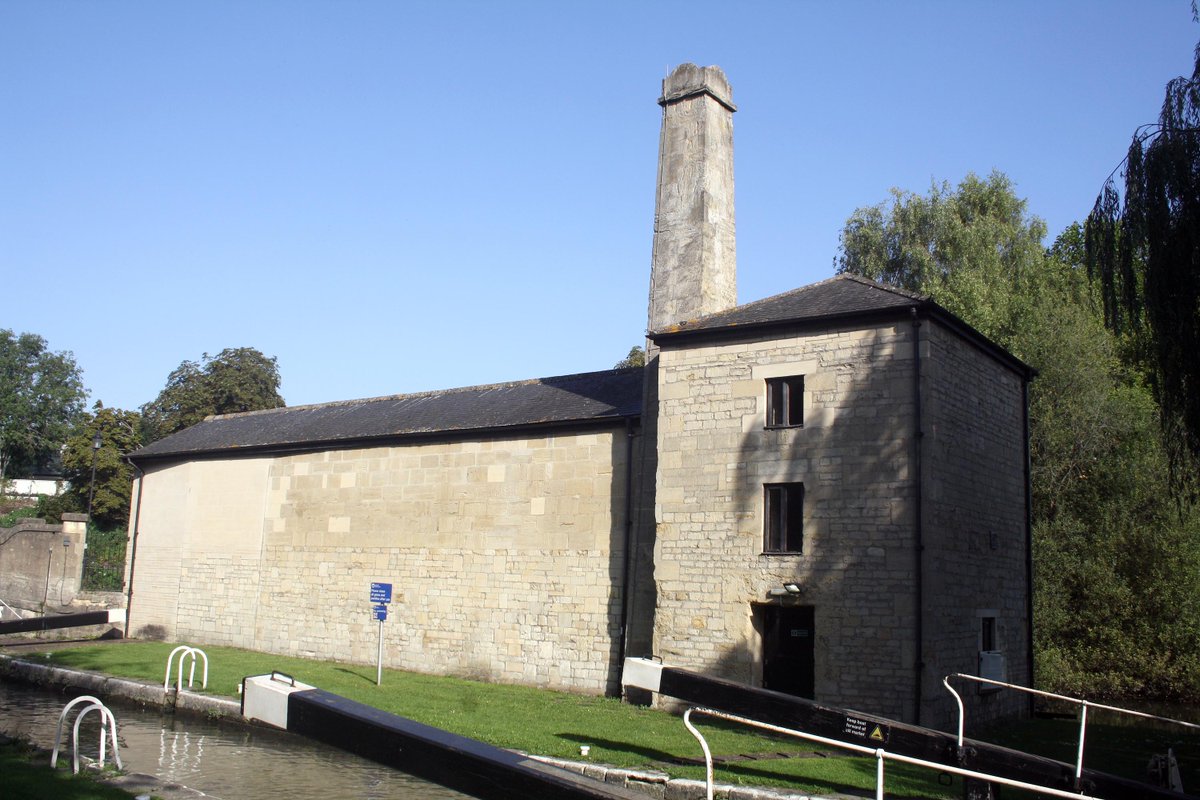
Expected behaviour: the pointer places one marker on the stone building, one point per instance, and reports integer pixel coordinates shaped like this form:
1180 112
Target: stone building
823 492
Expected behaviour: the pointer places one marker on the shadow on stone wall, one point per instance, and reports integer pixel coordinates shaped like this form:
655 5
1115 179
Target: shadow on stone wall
854 456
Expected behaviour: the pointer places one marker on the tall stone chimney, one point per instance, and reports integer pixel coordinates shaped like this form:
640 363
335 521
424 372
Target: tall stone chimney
694 266
693 273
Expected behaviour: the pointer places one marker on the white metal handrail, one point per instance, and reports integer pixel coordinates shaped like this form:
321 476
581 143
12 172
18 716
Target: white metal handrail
878 752
186 651
106 716
1083 714
10 608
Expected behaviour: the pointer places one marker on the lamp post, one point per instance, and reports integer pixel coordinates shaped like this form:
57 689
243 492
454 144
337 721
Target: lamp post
92 486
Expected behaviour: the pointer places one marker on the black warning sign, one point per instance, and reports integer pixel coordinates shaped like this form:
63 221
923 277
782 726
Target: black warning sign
873 732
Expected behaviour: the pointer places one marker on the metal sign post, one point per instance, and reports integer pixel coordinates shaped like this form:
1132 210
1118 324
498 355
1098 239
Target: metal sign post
381 615
381 595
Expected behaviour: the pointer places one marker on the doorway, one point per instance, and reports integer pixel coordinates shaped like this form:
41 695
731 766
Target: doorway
788 649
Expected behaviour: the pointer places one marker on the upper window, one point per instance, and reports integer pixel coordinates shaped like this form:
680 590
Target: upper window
783 528
785 402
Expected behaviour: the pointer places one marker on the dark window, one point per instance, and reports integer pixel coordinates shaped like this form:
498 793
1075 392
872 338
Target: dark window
784 514
785 402
987 633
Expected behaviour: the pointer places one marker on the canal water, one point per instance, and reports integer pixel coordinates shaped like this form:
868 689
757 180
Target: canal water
223 759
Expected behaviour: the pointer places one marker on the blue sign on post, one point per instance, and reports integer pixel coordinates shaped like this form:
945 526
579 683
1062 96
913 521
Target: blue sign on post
381 593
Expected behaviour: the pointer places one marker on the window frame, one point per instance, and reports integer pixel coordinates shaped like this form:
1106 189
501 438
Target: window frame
785 402
783 519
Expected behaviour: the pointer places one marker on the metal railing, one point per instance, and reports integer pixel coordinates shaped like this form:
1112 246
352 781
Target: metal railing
106 716
1083 714
185 651
881 755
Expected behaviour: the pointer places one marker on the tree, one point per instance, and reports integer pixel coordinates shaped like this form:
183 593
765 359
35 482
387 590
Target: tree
974 249
1145 256
1102 510
119 433
635 358
234 380
41 393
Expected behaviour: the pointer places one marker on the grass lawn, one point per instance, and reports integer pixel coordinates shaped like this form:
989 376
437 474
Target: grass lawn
25 780
535 721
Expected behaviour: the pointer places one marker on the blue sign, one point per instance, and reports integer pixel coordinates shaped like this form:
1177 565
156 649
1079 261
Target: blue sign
381 593
380 613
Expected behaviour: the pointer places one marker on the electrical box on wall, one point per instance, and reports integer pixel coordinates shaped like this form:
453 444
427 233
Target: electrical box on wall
992 665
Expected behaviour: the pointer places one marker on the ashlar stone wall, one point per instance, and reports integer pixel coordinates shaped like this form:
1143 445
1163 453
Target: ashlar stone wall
856 457
975 525
505 555
852 456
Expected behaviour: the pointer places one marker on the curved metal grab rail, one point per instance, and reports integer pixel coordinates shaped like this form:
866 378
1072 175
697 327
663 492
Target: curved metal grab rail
106 716
708 762
186 651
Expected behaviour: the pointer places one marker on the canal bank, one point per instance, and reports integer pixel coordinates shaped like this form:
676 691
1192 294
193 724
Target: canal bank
213 757
136 784
28 669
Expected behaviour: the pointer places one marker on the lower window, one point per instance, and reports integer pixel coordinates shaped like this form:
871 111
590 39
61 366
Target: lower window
783 518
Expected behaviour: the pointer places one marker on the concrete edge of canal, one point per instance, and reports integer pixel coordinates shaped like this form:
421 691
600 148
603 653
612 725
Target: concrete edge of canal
653 784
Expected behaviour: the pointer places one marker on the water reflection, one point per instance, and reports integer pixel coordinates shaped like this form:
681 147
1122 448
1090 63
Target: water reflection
222 759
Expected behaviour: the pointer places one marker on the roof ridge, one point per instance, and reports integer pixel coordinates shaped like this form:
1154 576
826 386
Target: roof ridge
550 380
887 287
841 276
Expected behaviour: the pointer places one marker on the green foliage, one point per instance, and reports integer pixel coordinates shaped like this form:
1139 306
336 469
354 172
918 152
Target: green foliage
10 518
1116 557
41 393
104 561
52 507
120 434
234 380
1116 607
1145 257
635 358
974 249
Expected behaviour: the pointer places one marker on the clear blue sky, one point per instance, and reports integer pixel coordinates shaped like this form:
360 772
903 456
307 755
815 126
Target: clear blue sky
402 196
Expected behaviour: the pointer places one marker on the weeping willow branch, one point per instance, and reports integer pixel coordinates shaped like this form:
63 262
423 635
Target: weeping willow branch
1143 249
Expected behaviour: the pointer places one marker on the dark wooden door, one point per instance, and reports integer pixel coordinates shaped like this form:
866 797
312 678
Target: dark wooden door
788 650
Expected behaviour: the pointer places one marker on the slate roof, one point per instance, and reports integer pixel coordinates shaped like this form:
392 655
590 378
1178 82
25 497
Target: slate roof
844 299
843 296
586 398
608 396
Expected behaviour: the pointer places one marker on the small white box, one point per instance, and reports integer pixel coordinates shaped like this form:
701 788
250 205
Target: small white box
266 698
